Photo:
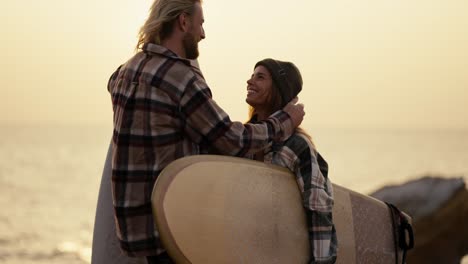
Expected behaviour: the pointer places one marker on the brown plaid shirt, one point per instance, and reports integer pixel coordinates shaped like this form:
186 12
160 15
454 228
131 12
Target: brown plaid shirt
300 156
163 111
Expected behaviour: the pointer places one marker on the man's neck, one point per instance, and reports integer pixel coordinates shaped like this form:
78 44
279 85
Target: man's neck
174 45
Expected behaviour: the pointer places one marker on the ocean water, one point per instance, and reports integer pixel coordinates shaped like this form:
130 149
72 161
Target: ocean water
49 180
50 176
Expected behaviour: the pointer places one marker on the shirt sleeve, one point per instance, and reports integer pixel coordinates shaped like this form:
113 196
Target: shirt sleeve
214 127
317 198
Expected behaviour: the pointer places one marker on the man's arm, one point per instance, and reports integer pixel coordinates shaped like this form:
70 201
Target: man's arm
202 114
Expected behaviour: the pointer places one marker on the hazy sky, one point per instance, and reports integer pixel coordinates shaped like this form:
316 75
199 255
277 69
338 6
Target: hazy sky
372 63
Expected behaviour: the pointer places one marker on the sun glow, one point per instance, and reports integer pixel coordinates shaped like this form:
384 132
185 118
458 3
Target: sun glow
363 63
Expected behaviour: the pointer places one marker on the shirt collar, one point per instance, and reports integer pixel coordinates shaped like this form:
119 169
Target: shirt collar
254 119
161 50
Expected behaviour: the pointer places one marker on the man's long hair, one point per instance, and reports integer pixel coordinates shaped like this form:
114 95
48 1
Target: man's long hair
163 14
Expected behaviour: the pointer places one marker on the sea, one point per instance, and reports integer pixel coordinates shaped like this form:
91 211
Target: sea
50 177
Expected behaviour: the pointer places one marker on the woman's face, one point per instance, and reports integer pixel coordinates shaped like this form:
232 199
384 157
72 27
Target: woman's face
259 88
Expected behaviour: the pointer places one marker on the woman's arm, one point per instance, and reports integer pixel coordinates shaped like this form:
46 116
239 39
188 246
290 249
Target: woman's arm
311 172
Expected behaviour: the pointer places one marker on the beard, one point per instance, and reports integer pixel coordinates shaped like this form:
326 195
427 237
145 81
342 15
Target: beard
190 46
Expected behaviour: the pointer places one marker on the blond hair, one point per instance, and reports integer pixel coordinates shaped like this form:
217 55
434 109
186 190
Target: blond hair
161 18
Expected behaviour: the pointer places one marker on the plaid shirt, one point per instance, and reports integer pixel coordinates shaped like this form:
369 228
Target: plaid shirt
299 155
163 111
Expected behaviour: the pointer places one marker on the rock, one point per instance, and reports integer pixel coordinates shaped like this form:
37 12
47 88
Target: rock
439 208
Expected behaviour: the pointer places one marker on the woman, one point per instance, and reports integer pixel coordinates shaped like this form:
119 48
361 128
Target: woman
271 86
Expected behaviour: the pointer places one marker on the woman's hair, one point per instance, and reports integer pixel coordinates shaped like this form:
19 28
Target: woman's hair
163 14
286 85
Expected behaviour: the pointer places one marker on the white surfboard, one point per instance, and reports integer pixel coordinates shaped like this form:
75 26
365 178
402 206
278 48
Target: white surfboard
217 209
106 246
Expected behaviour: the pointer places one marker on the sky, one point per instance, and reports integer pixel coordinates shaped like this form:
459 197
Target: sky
365 63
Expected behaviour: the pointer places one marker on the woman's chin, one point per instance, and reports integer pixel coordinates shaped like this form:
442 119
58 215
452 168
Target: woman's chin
248 101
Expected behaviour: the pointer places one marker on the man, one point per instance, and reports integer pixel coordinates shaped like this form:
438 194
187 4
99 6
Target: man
163 111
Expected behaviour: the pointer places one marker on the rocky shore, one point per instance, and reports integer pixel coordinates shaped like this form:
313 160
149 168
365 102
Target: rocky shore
439 210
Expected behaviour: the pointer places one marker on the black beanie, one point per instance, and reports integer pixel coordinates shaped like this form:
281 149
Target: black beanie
285 76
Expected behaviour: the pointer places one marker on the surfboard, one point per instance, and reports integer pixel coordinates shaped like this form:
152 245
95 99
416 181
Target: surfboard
106 246
218 209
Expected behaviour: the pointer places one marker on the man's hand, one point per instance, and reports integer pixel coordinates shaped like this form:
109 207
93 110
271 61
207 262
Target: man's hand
295 111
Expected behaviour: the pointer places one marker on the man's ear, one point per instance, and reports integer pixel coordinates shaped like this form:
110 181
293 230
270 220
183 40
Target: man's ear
183 22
